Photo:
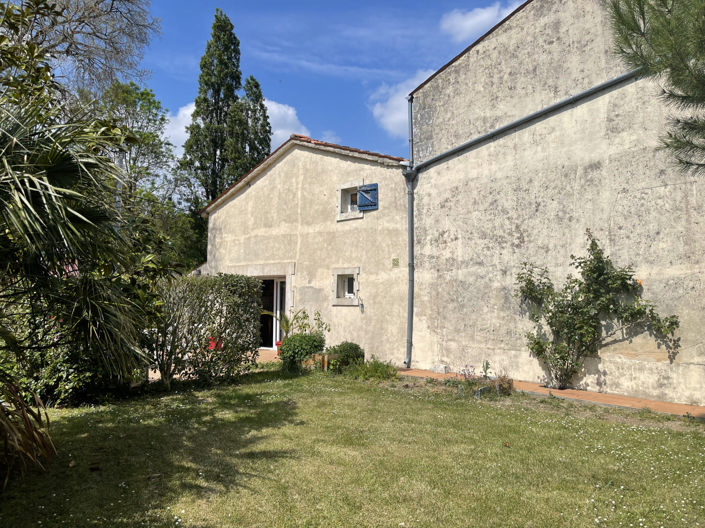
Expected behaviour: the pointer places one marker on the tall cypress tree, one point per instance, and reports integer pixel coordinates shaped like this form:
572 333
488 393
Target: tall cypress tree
249 139
259 139
228 134
665 39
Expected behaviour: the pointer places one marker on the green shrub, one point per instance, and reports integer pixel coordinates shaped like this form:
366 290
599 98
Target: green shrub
66 375
62 375
299 347
372 370
347 353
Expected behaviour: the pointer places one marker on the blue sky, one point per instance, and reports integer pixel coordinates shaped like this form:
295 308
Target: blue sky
334 71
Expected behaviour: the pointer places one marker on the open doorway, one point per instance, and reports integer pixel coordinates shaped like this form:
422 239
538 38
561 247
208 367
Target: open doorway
273 300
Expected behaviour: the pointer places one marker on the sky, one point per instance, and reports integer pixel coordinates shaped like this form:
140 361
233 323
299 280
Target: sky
334 71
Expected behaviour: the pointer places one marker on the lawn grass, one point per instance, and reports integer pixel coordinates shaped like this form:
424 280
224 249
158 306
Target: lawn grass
322 450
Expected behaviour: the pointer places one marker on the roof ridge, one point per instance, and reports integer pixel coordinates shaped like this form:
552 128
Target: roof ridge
306 139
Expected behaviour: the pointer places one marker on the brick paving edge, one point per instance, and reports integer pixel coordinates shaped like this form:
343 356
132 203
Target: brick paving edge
600 398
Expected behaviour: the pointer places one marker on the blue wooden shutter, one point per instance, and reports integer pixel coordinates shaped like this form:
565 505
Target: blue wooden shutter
367 197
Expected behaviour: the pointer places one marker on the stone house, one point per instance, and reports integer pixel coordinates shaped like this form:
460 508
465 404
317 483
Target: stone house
530 136
324 227
527 138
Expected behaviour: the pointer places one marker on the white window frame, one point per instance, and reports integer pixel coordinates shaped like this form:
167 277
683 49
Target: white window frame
347 210
342 294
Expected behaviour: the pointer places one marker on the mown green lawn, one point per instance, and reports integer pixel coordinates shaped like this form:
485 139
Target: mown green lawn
321 450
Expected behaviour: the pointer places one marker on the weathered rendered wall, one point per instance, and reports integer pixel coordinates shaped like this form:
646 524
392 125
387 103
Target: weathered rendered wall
530 196
546 52
284 222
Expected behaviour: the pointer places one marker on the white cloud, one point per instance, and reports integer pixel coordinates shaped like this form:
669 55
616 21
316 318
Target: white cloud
319 67
282 118
284 122
390 107
176 127
330 137
467 25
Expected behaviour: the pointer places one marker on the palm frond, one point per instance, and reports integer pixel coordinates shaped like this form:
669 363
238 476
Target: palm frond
23 429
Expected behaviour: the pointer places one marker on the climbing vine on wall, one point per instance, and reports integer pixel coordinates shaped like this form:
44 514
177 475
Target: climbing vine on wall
602 302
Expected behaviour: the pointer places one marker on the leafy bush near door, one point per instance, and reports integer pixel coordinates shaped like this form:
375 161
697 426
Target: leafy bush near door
207 327
299 322
299 347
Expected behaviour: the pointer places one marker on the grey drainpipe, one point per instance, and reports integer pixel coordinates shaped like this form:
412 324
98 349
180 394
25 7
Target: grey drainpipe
410 176
411 172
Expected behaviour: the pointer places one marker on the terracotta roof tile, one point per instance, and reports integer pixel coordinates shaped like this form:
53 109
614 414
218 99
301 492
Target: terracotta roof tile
306 139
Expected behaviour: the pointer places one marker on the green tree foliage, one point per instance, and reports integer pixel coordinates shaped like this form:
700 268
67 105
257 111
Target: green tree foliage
168 231
229 134
24 66
148 159
572 323
258 140
67 278
250 141
220 79
665 39
57 241
150 190
59 245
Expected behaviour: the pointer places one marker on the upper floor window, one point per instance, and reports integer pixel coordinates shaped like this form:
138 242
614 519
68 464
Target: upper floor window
354 198
350 200
347 201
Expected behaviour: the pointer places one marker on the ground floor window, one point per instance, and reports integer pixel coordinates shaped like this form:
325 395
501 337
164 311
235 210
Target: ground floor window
346 286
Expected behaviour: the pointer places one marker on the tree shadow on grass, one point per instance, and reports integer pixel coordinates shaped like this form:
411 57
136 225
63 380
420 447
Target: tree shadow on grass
124 464
252 377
